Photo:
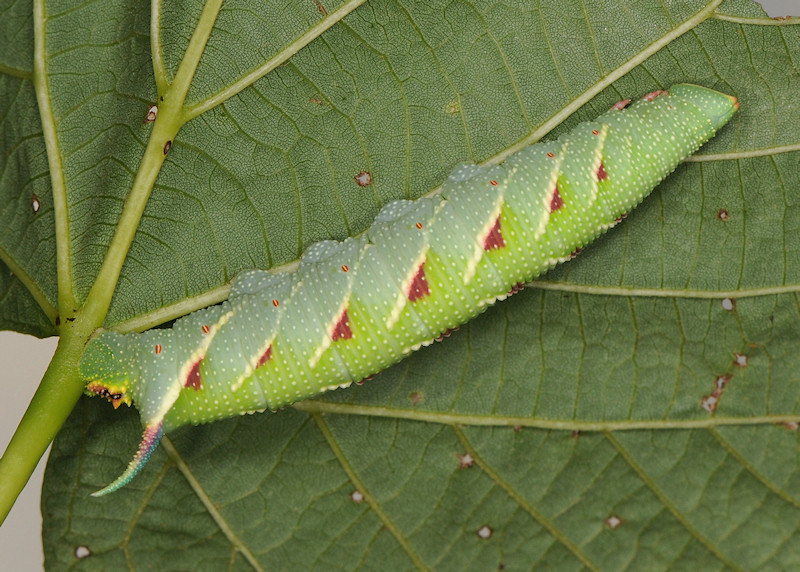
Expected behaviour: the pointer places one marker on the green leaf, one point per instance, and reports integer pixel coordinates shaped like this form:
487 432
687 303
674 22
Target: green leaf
561 429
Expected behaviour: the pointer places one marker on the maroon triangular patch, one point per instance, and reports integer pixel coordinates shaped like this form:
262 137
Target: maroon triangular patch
601 173
265 357
341 330
494 239
556 202
193 378
419 285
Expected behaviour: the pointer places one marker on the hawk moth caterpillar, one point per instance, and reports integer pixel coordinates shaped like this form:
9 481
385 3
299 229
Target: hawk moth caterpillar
353 308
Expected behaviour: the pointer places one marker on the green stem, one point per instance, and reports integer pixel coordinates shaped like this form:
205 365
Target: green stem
171 118
61 386
52 403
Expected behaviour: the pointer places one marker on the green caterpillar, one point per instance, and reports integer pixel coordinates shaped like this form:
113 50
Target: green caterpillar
352 308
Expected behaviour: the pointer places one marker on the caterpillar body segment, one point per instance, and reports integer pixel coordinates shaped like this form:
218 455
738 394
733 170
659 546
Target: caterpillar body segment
353 308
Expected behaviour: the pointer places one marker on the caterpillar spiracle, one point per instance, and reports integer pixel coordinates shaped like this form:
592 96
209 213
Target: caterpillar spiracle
353 308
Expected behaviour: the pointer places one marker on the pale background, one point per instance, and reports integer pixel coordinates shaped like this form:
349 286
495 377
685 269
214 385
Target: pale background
24 360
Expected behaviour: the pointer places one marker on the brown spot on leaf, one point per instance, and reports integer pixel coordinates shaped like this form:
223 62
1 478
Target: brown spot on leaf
364 179
710 402
152 113
465 461
721 382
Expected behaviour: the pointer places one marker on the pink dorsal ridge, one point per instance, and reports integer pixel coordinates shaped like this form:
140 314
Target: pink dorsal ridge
601 172
265 357
342 331
654 94
494 238
556 202
419 285
193 378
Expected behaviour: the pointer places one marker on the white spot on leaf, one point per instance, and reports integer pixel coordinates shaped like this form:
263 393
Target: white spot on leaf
363 179
82 552
152 113
485 532
709 403
721 382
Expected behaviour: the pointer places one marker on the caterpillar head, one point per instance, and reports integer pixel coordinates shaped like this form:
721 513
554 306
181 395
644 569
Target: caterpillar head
109 368
100 368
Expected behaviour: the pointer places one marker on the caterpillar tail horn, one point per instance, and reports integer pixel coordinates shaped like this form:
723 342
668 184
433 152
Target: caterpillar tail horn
152 435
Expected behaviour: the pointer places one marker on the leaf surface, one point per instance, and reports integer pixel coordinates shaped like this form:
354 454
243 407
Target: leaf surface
578 401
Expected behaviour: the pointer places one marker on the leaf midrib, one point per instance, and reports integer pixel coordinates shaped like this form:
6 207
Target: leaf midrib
314 406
